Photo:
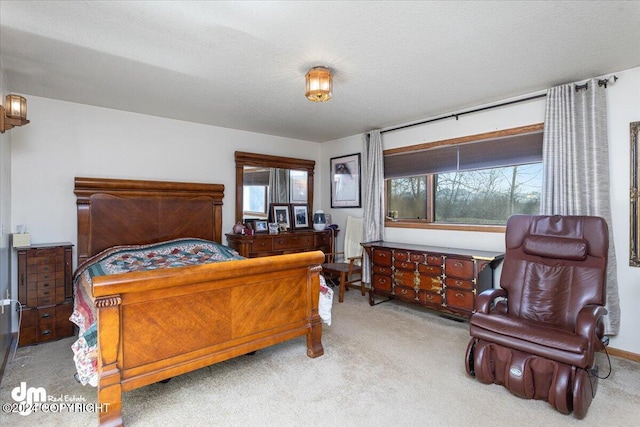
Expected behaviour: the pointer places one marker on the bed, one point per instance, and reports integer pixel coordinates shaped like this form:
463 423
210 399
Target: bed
154 324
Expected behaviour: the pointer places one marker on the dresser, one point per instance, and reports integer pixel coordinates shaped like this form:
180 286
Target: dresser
262 244
45 292
443 279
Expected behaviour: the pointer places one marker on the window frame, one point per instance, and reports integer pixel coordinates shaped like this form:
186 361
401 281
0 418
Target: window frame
428 223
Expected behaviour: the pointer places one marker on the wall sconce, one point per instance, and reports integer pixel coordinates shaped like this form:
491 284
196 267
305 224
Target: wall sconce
319 84
14 113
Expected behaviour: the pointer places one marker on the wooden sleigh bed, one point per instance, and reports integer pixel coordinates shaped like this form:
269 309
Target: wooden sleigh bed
154 325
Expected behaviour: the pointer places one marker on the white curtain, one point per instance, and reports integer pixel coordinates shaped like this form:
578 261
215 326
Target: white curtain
279 185
576 168
374 194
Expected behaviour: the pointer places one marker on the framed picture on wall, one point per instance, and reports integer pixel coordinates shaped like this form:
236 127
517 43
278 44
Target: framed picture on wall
345 181
300 215
280 214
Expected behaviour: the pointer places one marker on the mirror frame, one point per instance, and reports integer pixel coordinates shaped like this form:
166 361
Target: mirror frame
634 194
253 159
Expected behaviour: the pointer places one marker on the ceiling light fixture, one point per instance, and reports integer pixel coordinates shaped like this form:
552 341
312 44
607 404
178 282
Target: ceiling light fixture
14 113
319 84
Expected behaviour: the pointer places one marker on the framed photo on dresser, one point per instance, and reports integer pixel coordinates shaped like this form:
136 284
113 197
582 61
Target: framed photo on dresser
300 214
280 214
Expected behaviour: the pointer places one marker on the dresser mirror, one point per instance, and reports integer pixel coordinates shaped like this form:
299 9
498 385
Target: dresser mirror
262 180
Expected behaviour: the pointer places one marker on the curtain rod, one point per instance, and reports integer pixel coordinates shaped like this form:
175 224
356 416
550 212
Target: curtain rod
601 82
456 115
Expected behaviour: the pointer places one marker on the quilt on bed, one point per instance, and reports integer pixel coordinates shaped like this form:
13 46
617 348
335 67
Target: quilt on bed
125 259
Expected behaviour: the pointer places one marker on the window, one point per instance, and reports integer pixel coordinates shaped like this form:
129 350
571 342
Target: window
478 180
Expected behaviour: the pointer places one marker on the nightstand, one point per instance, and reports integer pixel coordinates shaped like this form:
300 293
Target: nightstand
45 292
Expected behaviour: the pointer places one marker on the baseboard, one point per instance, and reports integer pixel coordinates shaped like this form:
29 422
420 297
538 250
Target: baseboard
635 357
7 354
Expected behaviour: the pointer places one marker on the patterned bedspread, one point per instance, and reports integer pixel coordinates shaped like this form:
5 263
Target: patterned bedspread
125 259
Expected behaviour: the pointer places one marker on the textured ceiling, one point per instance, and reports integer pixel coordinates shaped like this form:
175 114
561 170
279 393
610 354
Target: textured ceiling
241 65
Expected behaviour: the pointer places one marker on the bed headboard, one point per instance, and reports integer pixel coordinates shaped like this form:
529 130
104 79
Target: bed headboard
127 212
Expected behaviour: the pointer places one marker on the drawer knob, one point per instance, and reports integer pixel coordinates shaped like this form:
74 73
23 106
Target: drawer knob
46 332
459 295
46 315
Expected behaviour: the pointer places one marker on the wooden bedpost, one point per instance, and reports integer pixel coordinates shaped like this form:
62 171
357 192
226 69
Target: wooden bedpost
109 386
314 336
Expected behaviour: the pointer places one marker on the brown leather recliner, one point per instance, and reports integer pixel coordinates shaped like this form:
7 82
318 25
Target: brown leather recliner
538 333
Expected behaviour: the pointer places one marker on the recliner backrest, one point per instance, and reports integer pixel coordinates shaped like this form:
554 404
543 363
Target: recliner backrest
554 266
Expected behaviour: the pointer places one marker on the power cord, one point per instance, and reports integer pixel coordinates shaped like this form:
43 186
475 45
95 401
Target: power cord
19 324
593 372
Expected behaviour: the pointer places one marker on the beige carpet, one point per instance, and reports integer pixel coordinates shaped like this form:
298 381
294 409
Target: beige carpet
392 364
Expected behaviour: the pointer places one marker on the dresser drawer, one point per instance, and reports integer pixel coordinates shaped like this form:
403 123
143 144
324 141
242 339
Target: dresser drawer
49 284
293 242
46 300
261 245
382 283
433 298
404 293
430 283
460 268
378 269
404 265
405 278
401 256
323 239
460 299
47 314
46 331
45 268
434 260
430 270
381 257
416 257
459 283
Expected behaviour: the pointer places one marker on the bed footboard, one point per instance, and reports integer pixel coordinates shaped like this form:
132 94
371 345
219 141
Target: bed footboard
154 325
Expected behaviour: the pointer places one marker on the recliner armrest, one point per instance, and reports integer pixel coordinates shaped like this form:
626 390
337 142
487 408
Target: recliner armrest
589 322
484 300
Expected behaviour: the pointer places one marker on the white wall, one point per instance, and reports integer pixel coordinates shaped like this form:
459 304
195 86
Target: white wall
624 107
65 140
5 218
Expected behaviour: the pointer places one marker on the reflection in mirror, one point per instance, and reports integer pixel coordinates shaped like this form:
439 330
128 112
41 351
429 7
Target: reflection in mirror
263 186
262 179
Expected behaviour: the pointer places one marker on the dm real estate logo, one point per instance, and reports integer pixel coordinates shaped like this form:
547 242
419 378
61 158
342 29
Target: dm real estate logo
28 397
